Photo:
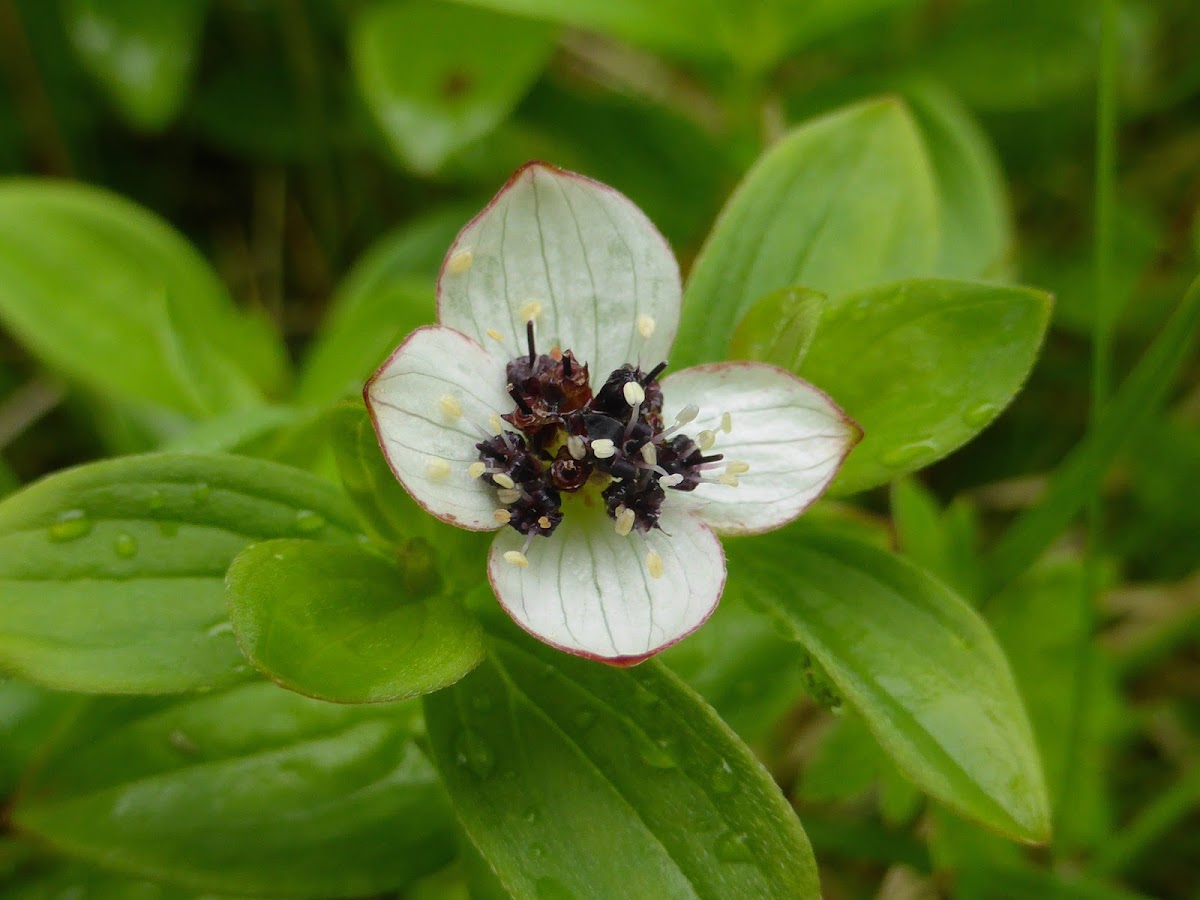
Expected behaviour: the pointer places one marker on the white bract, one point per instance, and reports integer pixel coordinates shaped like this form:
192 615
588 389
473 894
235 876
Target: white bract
535 408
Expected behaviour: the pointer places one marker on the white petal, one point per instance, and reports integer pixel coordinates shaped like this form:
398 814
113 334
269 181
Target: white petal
430 403
590 592
793 437
602 274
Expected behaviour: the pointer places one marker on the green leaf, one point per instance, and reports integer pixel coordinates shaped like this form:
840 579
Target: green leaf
779 328
28 716
113 573
916 662
742 667
64 880
387 294
942 543
976 228
437 77
923 366
577 779
1078 477
137 313
340 623
253 789
142 52
841 203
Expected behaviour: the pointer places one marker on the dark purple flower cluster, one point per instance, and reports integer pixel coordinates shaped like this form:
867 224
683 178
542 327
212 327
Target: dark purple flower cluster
566 436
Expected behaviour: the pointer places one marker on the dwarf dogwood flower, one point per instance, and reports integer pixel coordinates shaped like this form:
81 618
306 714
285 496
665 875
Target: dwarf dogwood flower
538 407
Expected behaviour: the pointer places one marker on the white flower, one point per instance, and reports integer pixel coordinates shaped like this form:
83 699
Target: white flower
528 410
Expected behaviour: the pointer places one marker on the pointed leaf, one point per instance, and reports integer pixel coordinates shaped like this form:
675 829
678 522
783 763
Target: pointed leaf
575 779
844 201
918 664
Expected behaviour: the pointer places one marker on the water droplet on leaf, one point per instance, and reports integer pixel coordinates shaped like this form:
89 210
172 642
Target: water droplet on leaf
69 526
585 718
723 779
219 629
474 754
156 502
125 545
978 416
168 529
733 847
654 753
309 522
200 492
906 454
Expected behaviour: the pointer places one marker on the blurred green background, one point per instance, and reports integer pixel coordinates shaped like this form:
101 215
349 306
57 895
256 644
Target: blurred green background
321 154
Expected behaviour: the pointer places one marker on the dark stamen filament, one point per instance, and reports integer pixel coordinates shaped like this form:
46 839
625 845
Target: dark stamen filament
529 336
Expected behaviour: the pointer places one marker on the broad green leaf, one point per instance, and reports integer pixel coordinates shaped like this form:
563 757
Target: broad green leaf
340 623
110 295
242 431
976 228
387 294
923 366
113 573
577 779
141 51
64 880
1080 474
779 328
742 667
248 790
28 716
437 77
843 202
914 660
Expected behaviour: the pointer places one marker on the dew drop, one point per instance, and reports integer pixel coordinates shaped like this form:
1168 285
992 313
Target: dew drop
156 502
549 889
471 752
180 741
723 779
69 526
309 522
733 847
219 629
125 545
978 416
585 718
530 815
200 492
655 753
646 699
168 529
908 453
537 851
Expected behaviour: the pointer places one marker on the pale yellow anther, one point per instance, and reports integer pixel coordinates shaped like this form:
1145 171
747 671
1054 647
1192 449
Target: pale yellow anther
737 468
504 481
506 496
669 481
450 406
531 310
495 335
437 469
726 422
604 448
476 469
706 439
576 447
649 454
502 516
646 325
731 480
624 521
495 423
460 262
516 558
654 564
634 393
544 522
686 414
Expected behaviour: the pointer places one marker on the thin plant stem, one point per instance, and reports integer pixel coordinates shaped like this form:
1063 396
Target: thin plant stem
1101 379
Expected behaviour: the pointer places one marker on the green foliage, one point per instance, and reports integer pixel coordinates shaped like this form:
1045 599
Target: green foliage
558 767
113 572
296 797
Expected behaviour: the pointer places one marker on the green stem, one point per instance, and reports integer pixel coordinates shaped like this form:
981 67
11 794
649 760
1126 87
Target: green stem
1155 820
1101 378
